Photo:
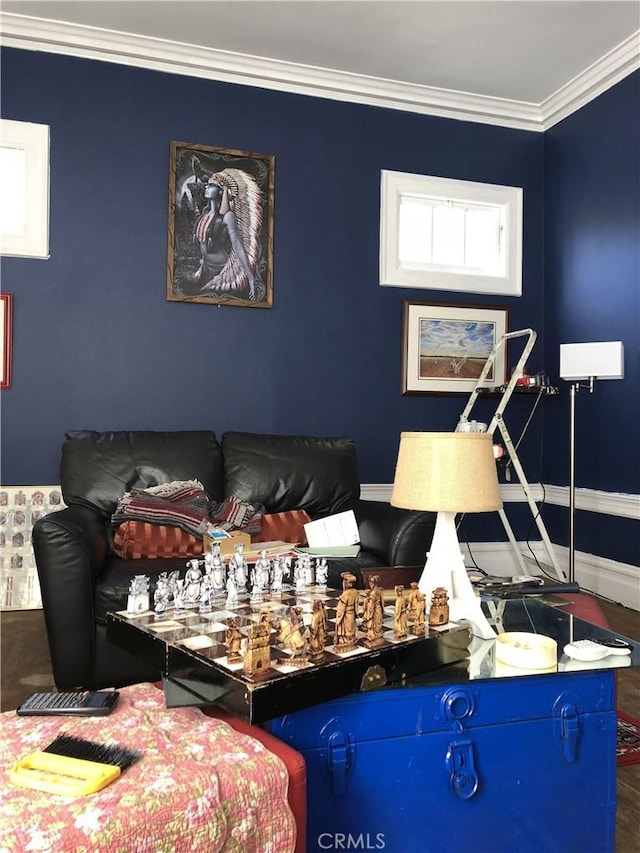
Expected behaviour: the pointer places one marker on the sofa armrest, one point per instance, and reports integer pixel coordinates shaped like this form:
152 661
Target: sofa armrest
399 537
70 548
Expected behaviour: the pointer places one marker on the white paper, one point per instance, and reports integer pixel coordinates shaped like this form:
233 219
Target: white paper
333 531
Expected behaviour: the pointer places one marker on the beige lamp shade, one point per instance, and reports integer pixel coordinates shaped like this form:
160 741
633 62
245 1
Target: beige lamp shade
446 472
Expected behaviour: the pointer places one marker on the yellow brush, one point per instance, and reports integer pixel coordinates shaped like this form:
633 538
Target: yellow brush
72 767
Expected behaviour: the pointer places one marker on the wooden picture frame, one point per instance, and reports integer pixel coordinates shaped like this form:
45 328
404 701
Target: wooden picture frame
6 332
445 347
220 242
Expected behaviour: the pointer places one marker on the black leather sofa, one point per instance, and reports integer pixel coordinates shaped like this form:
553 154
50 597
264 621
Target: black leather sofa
82 579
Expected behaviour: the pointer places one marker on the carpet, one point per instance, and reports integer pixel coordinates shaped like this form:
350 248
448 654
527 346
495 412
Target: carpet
628 740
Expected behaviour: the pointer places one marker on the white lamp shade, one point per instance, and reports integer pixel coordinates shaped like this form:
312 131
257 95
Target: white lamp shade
446 471
600 360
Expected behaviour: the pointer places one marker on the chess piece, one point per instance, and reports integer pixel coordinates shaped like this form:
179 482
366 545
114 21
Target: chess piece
439 610
261 571
178 595
317 631
417 606
162 594
373 614
345 638
257 656
239 569
205 595
232 640
217 571
192 583
322 573
232 590
309 572
291 635
400 614
279 570
300 576
138 599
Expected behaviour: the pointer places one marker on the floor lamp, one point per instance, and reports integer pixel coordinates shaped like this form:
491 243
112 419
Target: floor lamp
580 363
448 473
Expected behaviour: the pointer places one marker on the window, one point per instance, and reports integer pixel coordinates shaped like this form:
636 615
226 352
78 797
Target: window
24 189
444 234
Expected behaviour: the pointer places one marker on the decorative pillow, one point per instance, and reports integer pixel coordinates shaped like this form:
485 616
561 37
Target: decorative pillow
137 540
284 527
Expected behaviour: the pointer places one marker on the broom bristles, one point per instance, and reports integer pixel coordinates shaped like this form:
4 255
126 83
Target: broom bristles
88 750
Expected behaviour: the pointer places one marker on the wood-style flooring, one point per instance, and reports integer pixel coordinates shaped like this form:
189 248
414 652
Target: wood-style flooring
25 667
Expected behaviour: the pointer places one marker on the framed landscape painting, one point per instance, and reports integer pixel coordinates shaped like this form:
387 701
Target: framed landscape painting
220 241
445 347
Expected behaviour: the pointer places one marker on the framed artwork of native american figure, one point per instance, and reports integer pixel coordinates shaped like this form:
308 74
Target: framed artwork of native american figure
220 246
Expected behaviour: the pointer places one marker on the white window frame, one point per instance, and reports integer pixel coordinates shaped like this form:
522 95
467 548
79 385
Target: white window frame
393 273
33 140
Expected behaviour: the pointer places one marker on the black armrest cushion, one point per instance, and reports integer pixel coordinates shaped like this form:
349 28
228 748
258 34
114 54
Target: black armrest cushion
70 547
399 537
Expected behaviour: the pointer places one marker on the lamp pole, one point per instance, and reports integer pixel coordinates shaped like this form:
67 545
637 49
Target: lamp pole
572 480
573 390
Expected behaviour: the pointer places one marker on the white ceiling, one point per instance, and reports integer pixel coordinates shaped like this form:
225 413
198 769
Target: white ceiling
522 51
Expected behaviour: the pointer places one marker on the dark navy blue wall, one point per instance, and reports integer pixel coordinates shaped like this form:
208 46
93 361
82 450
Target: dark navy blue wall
96 343
592 293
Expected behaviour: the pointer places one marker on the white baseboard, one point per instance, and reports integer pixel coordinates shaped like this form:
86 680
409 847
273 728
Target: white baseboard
592 500
619 582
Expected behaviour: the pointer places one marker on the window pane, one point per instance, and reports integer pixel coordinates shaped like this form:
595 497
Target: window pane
13 190
448 236
481 249
414 238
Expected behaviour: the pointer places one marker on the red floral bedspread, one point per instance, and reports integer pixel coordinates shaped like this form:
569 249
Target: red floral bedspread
200 786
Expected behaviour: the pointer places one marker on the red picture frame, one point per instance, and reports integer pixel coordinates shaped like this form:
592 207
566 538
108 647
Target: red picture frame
6 327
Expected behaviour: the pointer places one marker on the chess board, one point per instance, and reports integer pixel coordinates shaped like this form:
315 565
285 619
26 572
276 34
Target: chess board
197 659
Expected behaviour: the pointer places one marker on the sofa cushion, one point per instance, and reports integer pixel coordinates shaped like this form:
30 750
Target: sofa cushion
137 540
285 472
284 527
97 467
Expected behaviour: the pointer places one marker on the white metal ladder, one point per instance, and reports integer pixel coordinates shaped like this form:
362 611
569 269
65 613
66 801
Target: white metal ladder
497 422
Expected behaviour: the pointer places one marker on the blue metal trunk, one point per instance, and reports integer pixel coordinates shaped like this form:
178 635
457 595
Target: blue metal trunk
524 765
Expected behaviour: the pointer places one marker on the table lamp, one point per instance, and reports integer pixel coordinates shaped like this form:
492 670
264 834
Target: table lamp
448 473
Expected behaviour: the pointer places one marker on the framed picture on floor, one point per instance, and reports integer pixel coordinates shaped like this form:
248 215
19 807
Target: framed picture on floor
220 241
445 347
6 329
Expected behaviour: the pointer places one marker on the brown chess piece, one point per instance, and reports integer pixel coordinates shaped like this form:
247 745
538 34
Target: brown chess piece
417 607
257 657
233 639
439 611
317 631
345 635
373 614
400 614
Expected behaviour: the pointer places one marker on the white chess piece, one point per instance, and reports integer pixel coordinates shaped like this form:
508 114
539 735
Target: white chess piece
232 590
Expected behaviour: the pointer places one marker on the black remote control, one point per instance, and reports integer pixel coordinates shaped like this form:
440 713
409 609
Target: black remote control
89 703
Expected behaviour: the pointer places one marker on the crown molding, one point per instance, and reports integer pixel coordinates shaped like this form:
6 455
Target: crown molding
593 81
29 33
